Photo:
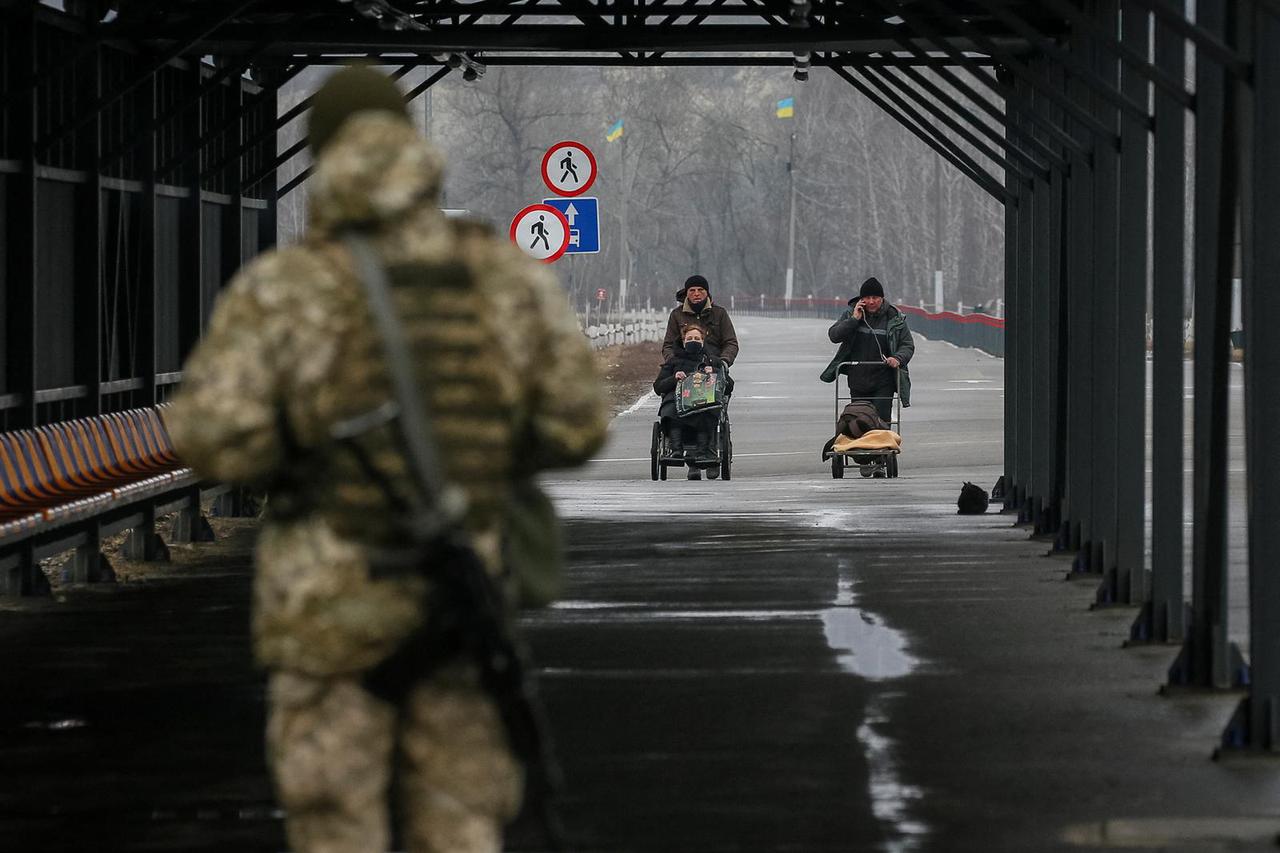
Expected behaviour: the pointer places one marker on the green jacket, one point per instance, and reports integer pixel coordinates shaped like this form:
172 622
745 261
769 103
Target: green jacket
900 342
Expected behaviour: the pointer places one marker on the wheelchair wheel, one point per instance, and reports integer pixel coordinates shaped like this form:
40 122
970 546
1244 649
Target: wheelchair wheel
655 448
662 470
893 465
837 466
726 452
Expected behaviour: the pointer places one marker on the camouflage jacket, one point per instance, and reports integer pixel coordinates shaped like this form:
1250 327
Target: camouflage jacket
291 350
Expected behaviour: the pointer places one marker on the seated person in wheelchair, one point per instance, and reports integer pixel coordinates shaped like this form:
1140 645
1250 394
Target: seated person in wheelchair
698 428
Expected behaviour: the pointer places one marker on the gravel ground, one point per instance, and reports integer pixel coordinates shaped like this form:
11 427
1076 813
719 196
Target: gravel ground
628 371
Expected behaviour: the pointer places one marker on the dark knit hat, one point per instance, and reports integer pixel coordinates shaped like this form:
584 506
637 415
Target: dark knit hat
353 89
871 287
697 281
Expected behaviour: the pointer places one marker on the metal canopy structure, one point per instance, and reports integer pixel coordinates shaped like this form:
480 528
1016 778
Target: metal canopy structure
137 171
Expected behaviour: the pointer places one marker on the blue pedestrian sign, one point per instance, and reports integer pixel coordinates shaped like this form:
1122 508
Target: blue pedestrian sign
584 223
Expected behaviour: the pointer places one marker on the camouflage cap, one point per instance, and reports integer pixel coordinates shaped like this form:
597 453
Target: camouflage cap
354 89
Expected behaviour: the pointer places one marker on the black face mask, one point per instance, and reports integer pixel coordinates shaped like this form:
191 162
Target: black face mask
693 347
697 306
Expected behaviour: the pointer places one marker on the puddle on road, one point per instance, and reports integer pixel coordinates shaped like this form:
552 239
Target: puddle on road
891 799
55 725
870 648
874 651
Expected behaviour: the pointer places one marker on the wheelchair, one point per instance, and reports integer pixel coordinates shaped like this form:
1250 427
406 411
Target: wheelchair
870 463
661 457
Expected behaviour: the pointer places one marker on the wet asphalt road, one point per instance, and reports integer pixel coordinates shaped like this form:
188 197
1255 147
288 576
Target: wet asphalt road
791 662
782 662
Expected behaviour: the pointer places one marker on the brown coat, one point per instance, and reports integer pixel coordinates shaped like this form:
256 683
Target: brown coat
721 338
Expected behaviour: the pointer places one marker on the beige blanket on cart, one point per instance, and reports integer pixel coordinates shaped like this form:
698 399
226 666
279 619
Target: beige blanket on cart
876 439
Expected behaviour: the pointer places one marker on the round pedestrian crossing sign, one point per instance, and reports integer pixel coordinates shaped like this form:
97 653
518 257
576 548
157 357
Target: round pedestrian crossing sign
541 232
568 168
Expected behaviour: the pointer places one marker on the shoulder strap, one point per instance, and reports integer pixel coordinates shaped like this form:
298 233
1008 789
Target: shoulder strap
446 501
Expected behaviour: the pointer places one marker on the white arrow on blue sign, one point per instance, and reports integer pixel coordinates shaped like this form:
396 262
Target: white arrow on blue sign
584 223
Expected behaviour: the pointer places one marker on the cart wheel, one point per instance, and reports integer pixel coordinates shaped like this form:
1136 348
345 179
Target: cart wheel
726 453
837 466
866 470
662 470
655 448
893 466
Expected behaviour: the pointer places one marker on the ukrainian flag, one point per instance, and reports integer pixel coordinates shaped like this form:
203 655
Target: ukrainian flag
786 108
614 132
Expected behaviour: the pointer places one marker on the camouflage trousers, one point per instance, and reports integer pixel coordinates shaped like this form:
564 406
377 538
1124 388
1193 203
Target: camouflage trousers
333 745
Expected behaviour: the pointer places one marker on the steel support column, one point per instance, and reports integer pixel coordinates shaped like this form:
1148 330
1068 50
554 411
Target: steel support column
191 228
232 247
20 277
1041 355
89 238
1127 581
1162 618
1050 317
1256 724
20 272
1078 527
267 225
1012 240
1022 317
1101 314
1208 660
148 280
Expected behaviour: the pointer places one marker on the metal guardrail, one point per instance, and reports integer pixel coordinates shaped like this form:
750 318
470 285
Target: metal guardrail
976 331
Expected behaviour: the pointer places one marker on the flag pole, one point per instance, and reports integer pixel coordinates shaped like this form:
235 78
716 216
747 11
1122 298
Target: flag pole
791 228
622 248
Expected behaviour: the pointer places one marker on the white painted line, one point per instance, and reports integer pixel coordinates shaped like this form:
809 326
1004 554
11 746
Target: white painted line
648 398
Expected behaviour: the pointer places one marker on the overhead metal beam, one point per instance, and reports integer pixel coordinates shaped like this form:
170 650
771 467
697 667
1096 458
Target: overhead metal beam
989 79
667 60
232 120
1020 70
923 122
1025 170
268 132
1024 136
603 39
1105 89
1172 86
979 177
186 43
409 97
225 73
1015 151
1207 43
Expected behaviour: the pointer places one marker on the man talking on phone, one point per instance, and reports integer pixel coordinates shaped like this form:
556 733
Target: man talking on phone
874 332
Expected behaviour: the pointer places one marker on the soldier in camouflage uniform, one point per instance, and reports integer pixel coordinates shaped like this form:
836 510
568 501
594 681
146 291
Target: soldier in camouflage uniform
291 351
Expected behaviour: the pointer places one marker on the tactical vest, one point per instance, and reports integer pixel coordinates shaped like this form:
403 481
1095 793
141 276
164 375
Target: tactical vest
451 339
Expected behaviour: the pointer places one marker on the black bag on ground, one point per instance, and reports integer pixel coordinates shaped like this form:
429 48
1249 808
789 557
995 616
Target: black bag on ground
973 500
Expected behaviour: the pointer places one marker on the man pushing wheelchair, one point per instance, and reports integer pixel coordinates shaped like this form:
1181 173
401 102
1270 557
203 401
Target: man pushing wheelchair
683 423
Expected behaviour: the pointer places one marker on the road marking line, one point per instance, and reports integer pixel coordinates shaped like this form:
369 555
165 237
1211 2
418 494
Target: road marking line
646 398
